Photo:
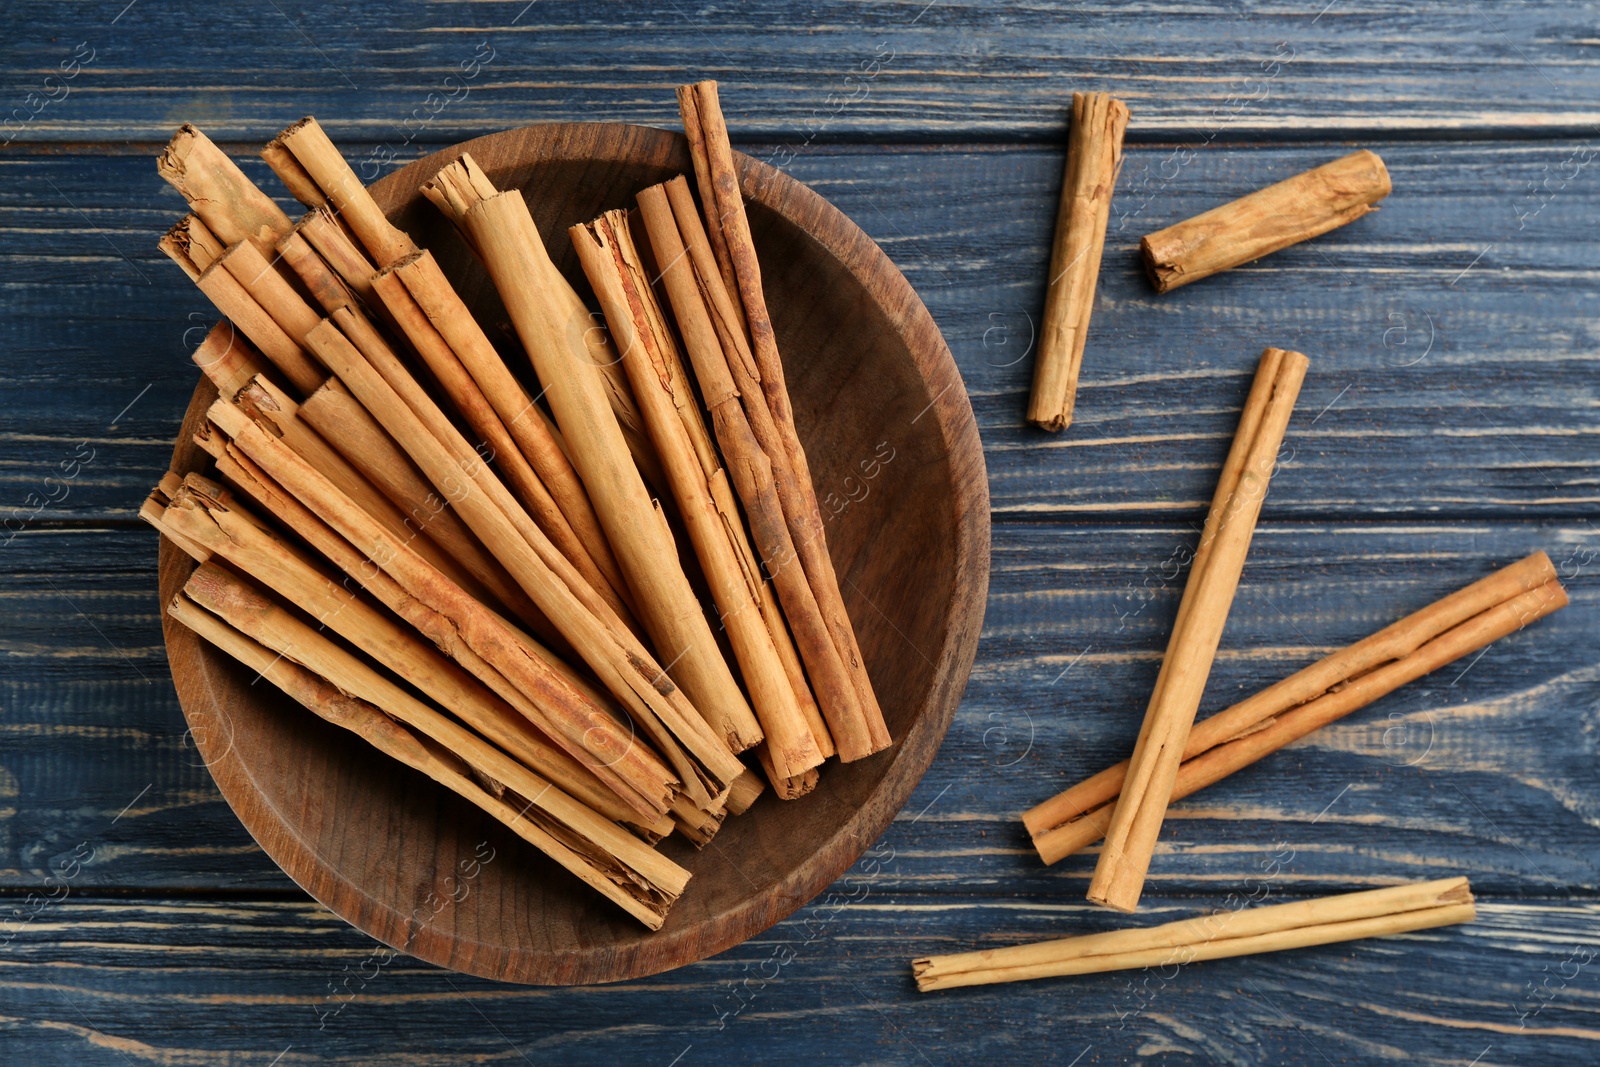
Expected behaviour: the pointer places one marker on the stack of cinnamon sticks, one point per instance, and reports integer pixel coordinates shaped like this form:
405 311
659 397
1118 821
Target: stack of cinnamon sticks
487 568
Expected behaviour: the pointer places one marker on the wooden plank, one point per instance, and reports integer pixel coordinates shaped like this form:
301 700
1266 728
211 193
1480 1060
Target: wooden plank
801 71
1447 376
1488 766
244 981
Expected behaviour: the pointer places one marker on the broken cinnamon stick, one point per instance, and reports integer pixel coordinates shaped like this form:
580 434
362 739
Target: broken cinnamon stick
1293 210
1094 156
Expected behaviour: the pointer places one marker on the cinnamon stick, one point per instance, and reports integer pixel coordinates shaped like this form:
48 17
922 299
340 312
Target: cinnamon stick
1298 924
322 231
318 162
230 204
1094 156
1293 210
527 423
744 791
202 513
228 358
507 240
617 864
454 190
586 732
480 415
623 664
716 345
691 467
1333 687
763 382
191 245
1213 579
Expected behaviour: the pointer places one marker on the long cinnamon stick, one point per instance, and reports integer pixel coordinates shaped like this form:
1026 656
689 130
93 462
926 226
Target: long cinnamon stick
509 243
617 864
724 205
1094 156
1213 579
691 467
1293 210
1333 687
454 190
1323 921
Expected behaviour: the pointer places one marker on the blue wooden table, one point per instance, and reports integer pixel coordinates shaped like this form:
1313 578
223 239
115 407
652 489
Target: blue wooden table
1450 424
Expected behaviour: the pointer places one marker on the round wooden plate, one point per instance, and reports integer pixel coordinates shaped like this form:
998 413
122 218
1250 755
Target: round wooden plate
894 450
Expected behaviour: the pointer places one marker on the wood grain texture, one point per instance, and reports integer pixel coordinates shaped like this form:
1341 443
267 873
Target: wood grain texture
1481 378
255 979
906 70
1458 317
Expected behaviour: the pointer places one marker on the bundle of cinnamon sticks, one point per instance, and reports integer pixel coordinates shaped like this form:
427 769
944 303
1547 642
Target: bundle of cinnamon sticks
486 565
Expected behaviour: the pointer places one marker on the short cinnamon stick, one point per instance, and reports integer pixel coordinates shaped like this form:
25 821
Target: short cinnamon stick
1202 613
1323 921
1094 156
1294 210
1333 687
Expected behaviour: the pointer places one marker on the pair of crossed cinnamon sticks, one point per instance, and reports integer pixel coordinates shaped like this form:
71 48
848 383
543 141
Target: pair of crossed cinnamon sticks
409 544
1296 209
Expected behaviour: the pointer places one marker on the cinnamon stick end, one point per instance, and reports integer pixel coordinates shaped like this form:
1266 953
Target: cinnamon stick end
1380 182
1052 423
1115 898
1164 275
281 141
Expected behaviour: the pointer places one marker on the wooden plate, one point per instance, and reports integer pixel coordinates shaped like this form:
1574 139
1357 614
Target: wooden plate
895 454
